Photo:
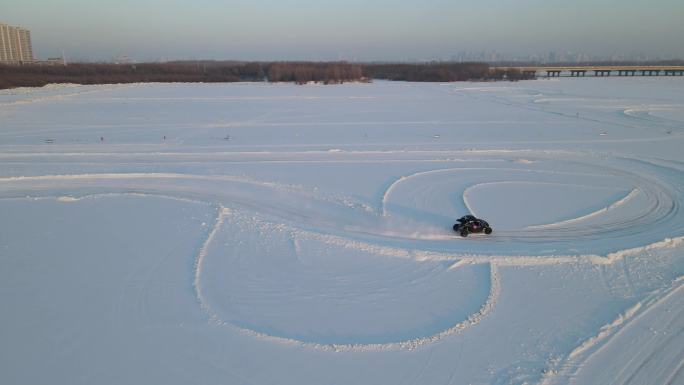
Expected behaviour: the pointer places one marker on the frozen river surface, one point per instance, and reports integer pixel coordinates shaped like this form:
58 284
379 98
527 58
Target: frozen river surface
282 234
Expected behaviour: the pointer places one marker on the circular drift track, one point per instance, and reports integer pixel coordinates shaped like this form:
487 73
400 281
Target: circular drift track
618 205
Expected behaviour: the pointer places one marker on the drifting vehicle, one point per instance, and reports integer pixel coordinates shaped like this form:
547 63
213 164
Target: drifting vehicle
468 224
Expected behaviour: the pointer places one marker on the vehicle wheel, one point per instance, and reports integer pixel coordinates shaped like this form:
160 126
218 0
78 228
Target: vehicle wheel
457 227
464 233
488 230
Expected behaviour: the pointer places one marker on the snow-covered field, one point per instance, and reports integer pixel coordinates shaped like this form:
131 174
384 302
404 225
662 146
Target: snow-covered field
282 234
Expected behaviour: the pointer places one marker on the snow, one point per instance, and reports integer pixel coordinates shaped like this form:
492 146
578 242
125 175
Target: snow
283 234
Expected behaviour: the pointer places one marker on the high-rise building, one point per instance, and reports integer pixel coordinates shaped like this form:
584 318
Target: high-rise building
15 44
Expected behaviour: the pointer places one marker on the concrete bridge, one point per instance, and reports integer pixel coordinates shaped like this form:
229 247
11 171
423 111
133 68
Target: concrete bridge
598 71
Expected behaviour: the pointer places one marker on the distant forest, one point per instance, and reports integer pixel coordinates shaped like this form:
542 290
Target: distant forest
32 75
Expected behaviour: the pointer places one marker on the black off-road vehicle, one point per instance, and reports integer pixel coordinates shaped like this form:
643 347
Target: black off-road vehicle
469 224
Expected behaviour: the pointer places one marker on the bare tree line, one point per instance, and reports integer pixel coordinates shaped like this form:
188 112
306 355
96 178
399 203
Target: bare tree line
228 71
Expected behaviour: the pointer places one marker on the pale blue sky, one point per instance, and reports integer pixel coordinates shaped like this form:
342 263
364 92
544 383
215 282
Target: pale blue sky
352 30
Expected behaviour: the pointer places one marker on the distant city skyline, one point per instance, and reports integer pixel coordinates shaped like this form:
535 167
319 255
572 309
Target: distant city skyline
557 57
383 30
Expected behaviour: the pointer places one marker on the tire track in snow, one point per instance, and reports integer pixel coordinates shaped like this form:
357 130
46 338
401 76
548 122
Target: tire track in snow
663 201
410 344
222 213
675 374
567 371
195 193
473 319
631 195
298 229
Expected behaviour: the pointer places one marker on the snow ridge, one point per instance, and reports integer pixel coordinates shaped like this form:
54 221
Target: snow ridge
631 195
222 213
563 373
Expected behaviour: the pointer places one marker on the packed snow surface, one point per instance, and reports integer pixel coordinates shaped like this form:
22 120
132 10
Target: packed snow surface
282 234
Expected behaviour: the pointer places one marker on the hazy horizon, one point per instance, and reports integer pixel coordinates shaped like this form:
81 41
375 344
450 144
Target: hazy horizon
314 30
